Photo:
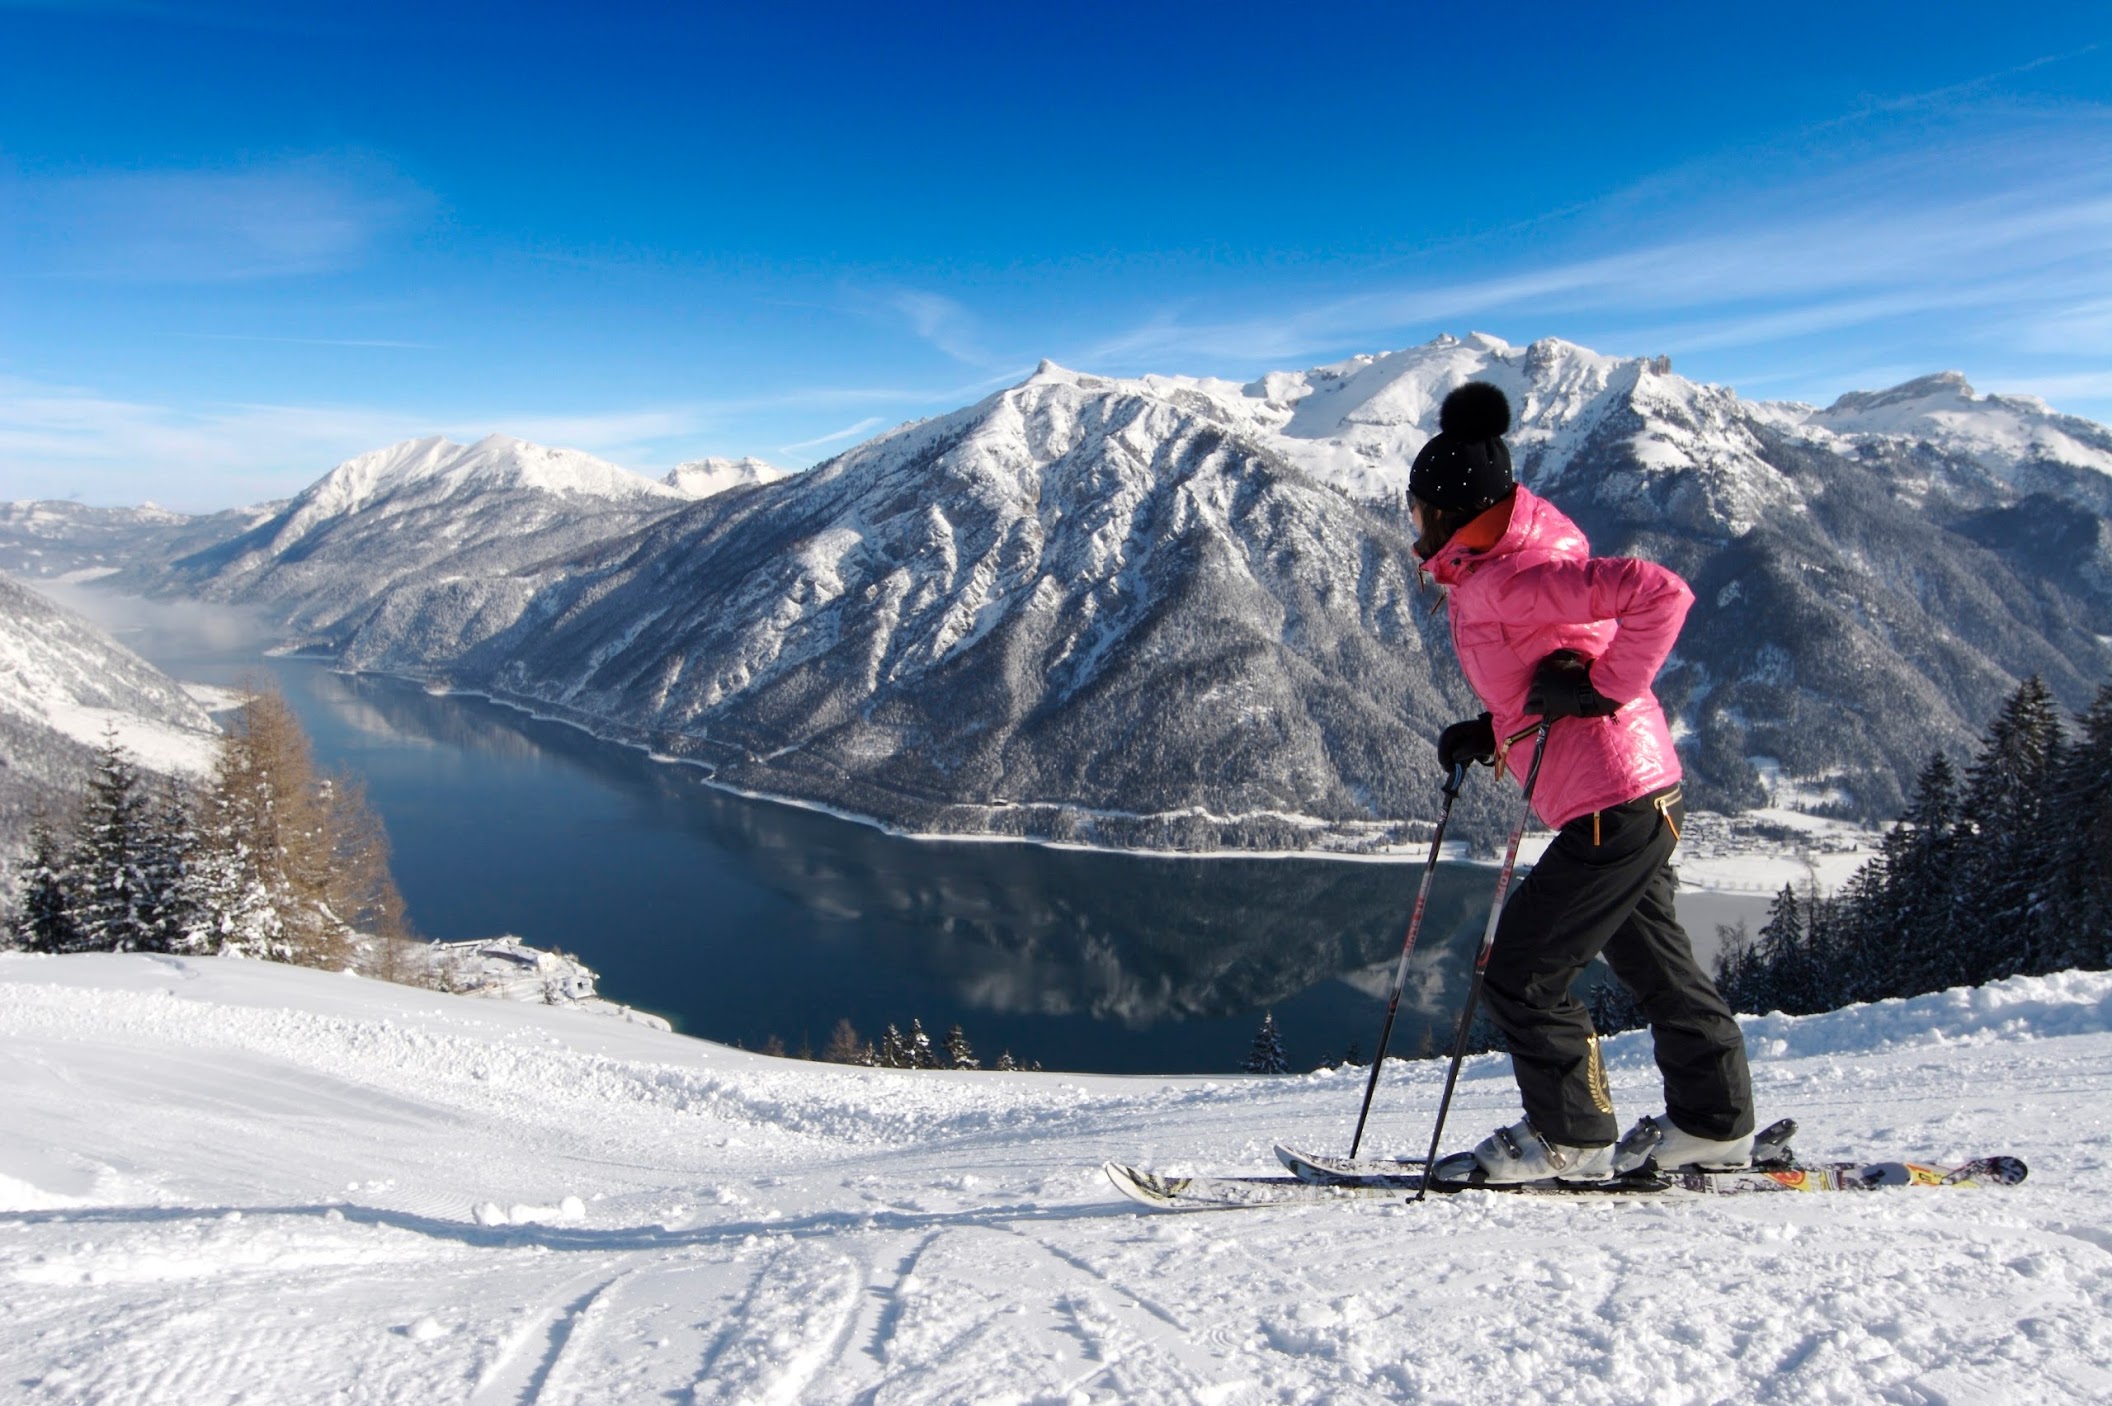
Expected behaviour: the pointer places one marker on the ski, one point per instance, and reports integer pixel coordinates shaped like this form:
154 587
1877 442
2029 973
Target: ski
1194 1193
1770 1149
1225 1192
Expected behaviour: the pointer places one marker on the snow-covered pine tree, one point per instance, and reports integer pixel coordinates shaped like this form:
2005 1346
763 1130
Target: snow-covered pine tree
113 857
1266 1055
893 1051
2007 859
171 885
846 1045
1006 1063
50 892
918 1047
958 1054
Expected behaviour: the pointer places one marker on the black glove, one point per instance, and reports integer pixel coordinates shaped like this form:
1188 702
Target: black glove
1562 689
1465 743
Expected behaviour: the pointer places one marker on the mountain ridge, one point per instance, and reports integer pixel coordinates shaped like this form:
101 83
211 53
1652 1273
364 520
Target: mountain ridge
922 628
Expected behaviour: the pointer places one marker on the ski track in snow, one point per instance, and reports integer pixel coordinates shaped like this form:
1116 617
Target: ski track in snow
224 1181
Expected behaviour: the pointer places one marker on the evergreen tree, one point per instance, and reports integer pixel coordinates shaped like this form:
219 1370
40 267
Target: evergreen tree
116 906
845 1045
1006 1063
50 893
2079 927
1911 934
1781 956
1858 956
918 1048
958 1055
171 887
2007 859
1266 1054
893 1052
1824 966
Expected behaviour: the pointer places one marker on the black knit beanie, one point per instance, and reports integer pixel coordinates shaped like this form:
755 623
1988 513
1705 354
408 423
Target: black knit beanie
1466 467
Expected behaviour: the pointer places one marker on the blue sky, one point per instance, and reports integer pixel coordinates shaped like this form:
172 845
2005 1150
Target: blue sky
241 242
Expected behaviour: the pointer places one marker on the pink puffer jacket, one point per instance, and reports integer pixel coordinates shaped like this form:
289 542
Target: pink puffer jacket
1537 590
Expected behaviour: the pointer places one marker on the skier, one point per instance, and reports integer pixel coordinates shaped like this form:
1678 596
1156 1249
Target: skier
1544 630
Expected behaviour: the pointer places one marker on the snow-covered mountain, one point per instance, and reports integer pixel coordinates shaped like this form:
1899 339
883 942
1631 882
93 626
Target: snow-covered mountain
701 478
2005 434
229 1180
63 684
1178 611
1081 608
421 530
43 539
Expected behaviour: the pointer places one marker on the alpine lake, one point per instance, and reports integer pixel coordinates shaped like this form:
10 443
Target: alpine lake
741 919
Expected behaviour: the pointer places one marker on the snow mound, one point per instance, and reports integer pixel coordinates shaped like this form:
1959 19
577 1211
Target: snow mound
2019 1008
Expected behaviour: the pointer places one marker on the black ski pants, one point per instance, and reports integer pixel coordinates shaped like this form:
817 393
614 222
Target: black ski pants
1606 885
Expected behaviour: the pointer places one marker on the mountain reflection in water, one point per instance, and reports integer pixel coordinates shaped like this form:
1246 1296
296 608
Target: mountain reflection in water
742 918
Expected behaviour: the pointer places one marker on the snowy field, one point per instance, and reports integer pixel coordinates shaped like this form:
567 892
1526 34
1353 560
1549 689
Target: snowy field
224 1181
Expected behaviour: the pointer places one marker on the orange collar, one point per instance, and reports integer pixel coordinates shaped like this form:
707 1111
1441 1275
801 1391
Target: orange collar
1486 530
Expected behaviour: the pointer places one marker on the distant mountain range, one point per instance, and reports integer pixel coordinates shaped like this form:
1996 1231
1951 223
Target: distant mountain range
1183 613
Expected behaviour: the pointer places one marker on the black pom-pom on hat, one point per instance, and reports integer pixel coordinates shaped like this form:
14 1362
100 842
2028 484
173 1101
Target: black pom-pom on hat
1466 466
1476 410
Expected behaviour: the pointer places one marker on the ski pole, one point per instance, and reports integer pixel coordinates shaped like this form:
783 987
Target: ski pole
1481 957
1400 972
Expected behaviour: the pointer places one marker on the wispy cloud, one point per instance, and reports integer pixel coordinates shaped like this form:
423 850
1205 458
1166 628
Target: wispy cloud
944 323
2060 390
305 215
64 441
60 441
1995 226
863 427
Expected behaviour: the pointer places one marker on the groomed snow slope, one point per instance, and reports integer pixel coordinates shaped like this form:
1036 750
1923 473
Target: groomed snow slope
226 1181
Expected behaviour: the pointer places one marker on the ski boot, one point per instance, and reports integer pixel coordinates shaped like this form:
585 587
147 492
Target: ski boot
1658 1142
1517 1153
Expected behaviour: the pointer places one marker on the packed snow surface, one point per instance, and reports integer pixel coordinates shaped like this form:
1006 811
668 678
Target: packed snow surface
228 1181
